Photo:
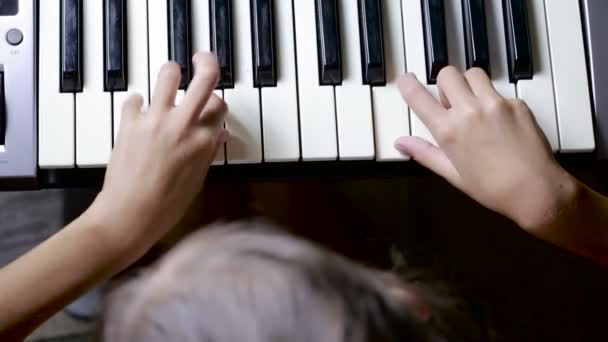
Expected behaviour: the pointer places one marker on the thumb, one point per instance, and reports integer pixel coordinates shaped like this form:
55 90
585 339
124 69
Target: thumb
429 156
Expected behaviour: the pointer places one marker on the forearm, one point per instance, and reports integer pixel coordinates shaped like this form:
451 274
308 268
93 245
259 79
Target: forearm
579 224
53 274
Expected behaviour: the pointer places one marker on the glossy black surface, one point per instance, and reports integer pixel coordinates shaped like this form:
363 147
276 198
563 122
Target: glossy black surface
9 7
3 110
329 50
435 40
180 43
264 50
71 75
517 34
372 42
115 45
595 14
476 34
221 40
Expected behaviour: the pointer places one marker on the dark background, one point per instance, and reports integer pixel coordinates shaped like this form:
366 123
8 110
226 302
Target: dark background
520 287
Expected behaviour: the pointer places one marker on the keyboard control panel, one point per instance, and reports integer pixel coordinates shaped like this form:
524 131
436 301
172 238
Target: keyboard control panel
17 90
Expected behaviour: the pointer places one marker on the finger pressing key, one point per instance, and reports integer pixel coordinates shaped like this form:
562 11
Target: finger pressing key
480 83
421 101
429 156
166 87
131 108
454 86
214 111
206 76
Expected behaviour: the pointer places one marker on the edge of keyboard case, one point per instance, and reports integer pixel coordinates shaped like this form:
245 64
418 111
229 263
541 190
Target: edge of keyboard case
293 171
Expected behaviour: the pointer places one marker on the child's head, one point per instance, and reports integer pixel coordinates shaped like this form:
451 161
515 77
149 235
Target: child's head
249 282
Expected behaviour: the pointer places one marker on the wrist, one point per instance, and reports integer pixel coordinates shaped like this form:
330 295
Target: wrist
551 201
119 229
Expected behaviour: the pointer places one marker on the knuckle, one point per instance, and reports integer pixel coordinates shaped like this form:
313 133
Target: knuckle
497 105
445 134
214 112
470 110
206 141
153 125
217 105
519 105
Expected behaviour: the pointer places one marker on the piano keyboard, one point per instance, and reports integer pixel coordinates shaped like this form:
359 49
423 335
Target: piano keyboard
305 80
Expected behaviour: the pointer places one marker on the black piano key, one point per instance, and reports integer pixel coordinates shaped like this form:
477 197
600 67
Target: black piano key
221 40
115 45
180 45
372 42
264 54
329 50
71 75
476 35
517 34
3 110
436 47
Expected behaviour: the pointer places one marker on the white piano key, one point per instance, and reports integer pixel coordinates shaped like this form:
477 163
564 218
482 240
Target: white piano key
158 39
391 115
137 44
498 49
317 103
572 96
415 59
353 98
202 42
280 103
93 105
55 109
220 157
243 120
538 92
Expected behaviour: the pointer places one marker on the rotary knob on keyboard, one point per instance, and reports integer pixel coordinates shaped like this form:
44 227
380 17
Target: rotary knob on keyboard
14 37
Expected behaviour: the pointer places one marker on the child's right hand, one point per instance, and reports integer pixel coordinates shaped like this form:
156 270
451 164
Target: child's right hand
162 156
490 147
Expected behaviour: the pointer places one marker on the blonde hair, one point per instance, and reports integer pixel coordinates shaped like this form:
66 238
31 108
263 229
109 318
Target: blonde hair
247 281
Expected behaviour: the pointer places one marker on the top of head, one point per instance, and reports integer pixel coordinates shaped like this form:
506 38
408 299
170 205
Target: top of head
247 281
